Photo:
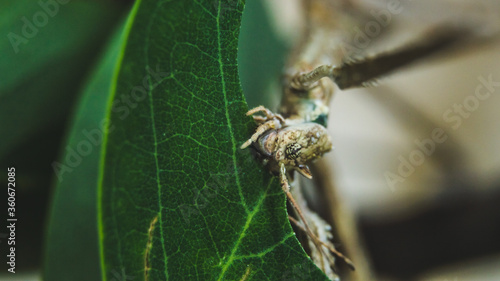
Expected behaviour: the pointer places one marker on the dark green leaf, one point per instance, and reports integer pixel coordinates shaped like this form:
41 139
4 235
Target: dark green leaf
71 251
40 76
261 56
47 49
178 199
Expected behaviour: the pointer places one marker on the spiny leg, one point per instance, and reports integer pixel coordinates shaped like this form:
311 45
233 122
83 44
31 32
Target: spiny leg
330 258
259 119
268 113
307 81
361 71
286 188
330 248
260 130
270 121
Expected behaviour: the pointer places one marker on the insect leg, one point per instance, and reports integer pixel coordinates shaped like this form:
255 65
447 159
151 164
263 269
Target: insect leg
330 248
272 124
307 81
362 71
270 121
259 119
286 188
269 114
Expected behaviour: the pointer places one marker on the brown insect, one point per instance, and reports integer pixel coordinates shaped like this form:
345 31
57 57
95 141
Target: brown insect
289 140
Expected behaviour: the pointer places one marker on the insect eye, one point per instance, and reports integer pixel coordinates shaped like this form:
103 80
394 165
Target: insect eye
292 150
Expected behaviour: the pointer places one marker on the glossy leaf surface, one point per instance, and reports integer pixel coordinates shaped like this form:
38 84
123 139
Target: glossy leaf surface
178 199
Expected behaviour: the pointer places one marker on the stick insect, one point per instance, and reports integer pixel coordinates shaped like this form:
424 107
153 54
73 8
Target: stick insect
319 66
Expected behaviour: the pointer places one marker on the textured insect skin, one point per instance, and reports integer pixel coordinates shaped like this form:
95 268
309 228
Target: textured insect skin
296 136
286 145
294 146
322 63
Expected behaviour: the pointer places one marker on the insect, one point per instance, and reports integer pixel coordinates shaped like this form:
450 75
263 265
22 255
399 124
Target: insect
285 145
318 67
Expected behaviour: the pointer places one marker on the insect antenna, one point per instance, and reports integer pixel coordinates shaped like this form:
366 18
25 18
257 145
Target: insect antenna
363 70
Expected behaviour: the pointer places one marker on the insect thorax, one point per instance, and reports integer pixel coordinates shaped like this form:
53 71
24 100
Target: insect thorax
293 145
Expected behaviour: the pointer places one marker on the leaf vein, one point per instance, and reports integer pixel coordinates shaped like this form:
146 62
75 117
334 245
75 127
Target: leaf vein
250 217
233 140
155 138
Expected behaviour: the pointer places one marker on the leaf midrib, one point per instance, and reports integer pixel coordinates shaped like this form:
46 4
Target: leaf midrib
256 209
226 104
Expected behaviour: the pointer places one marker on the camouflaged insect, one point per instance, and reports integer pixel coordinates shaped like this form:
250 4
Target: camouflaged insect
284 146
288 141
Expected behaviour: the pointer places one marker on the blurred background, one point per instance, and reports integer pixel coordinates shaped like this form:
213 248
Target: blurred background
49 50
438 220
416 158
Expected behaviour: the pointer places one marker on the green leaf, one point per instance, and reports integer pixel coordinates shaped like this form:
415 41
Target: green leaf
47 49
261 56
71 251
178 199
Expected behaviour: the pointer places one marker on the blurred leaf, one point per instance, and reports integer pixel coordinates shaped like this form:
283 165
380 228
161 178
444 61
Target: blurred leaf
261 56
178 199
38 85
46 52
71 251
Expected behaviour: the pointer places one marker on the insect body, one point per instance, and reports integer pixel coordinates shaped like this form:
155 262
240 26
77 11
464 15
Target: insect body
289 141
286 145
321 65
283 142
